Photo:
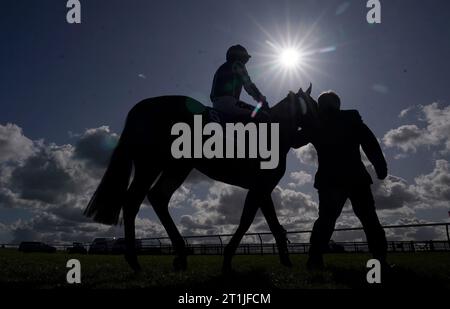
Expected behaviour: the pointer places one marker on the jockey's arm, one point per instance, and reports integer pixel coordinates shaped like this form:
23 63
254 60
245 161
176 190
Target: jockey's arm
249 86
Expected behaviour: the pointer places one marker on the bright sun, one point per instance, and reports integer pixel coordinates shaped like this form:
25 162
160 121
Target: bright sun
290 58
290 55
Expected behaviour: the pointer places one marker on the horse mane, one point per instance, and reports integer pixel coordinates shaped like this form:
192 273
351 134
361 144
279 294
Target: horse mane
284 110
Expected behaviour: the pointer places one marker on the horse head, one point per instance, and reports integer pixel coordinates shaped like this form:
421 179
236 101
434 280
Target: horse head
298 109
308 106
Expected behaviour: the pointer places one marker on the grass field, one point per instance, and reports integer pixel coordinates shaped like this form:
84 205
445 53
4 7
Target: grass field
35 270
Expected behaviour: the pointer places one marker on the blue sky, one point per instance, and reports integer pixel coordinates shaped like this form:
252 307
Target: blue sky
60 84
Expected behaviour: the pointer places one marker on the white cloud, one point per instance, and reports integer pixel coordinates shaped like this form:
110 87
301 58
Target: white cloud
300 178
428 191
49 176
220 211
438 124
405 111
406 137
183 194
394 192
436 133
14 145
55 182
434 188
95 146
307 154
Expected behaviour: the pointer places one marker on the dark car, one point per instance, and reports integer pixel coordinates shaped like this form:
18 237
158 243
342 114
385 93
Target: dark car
334 247
118 246
77 247
36 246
101 246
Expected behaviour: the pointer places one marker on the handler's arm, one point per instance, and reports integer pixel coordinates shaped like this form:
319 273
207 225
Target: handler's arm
372 149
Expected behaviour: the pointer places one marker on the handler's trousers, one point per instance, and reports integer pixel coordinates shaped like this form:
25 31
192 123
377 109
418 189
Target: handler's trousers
331 202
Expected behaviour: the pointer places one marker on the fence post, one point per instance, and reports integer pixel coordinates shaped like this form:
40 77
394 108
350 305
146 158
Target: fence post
448 235
261 242
187 244
221 245
160 246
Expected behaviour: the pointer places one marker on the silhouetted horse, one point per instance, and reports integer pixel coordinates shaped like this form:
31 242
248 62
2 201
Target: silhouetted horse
145 143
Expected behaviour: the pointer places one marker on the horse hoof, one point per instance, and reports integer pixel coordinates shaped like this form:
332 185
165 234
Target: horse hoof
315 264
227 271
283 253
286 261
226 266
133 263
180 263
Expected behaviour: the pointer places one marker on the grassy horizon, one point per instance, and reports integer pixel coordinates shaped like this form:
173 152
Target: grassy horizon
44 271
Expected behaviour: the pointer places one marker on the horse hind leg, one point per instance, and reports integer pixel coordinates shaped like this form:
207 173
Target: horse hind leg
137 190
159 196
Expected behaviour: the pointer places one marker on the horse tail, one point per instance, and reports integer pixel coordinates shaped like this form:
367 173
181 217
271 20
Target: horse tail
109 198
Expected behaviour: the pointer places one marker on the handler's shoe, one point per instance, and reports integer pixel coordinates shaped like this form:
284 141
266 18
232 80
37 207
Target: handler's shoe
180 261
283 253
133 262
226 266
315 263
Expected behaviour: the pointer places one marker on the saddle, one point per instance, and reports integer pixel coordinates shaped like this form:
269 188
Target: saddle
210 114
213 115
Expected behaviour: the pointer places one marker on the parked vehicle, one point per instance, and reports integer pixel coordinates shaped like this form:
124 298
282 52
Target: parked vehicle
35 246
101 246
119 246
334 247
77 247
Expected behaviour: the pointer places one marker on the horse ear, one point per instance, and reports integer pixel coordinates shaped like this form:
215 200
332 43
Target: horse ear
308 91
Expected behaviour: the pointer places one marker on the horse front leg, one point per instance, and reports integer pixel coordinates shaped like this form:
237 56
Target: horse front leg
279 233
248 215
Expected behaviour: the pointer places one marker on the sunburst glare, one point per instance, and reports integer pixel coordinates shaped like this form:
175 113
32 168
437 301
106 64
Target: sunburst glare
290 59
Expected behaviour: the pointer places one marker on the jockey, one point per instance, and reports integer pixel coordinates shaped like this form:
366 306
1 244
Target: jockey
228 82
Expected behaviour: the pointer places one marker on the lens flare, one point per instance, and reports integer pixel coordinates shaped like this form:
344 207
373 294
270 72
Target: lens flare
290 58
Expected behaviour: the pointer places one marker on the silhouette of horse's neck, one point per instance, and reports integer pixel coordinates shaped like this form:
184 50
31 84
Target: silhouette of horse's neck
288 114
286 110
